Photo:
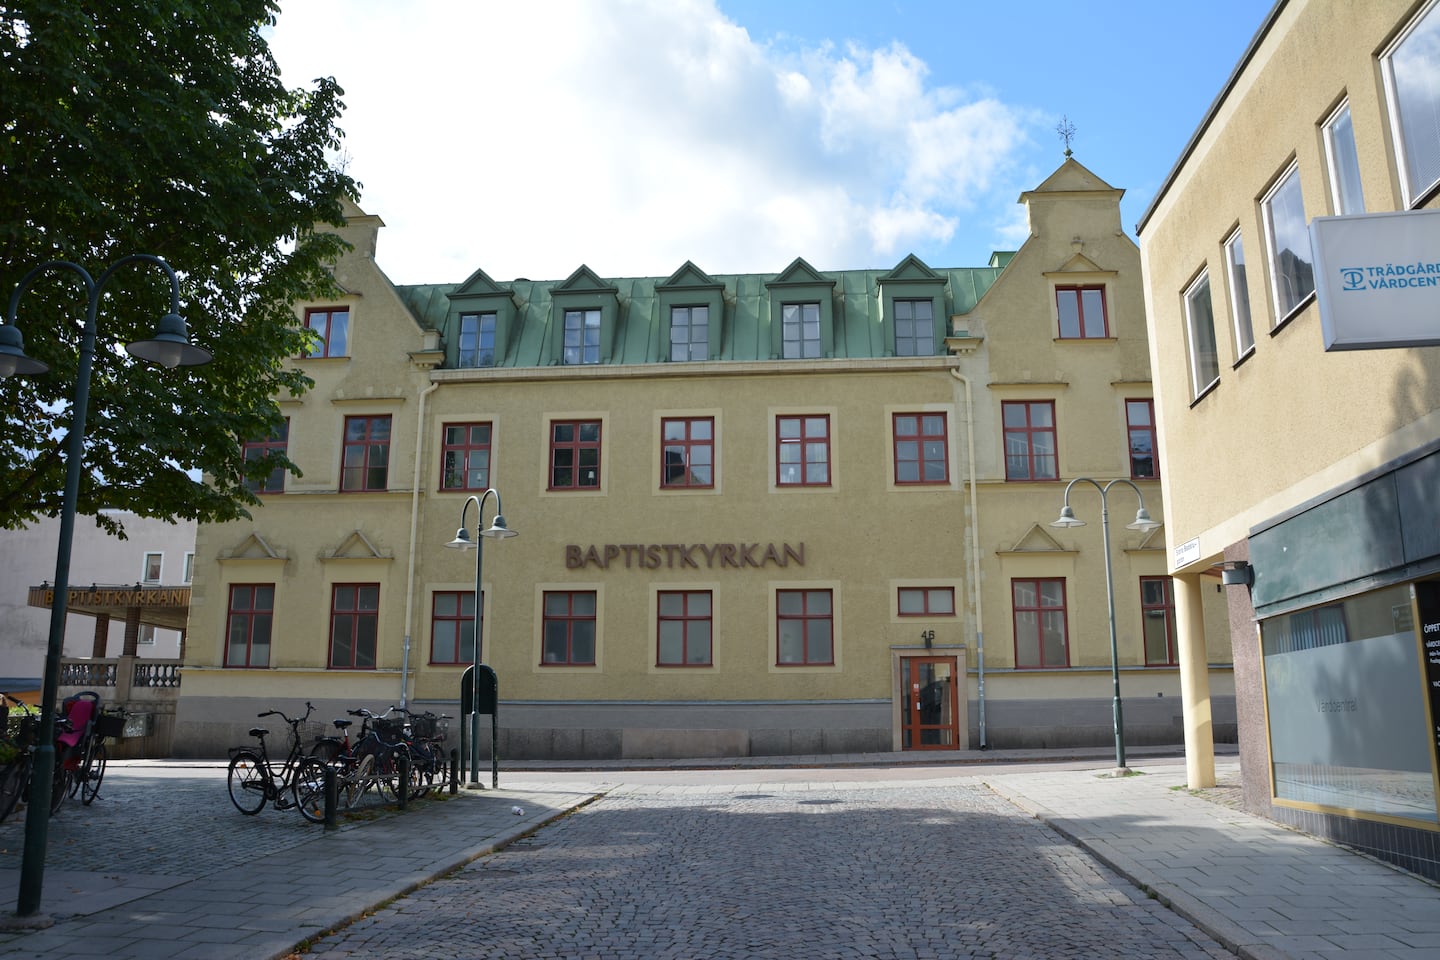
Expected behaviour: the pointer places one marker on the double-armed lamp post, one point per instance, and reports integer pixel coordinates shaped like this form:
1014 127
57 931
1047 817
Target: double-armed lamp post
169 347
496 531
1143 523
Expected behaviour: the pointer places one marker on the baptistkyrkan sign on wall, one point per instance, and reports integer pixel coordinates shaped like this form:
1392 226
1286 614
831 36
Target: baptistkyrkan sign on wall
673 556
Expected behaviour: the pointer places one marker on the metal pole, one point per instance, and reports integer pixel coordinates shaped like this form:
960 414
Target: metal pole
169 347
1114 650
474 781
37 815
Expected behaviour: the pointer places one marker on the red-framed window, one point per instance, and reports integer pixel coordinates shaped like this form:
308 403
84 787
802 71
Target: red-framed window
1082 313
569 629
249 618
1140 428
1041 637
926 602
684 628
921 448
277 442
687 451
333 326
1157 617
452 627
1030 440
802 451
465 457
804 628
574 454
366 463
354 626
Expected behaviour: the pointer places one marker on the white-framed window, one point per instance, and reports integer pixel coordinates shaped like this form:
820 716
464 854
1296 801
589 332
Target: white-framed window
1410 66
146 635
189 567
1200 322
1346 194
153 563
1239 294
1288 243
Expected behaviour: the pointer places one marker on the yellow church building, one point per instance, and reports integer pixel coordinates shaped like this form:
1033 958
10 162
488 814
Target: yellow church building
807 512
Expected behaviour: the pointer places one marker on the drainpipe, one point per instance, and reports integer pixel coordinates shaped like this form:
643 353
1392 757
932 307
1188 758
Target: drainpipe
973 532
414 524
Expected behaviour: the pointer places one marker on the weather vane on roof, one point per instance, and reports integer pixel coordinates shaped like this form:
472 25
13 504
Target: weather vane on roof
1066 129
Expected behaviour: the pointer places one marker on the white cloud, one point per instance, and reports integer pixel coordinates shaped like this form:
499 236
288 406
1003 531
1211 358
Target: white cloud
632 135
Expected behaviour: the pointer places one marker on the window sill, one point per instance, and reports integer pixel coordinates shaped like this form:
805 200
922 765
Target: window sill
1295 311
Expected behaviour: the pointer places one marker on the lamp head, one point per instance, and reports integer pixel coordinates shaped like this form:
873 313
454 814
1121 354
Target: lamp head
1143 523
13 360
1067 518
170 347
462 540
498 530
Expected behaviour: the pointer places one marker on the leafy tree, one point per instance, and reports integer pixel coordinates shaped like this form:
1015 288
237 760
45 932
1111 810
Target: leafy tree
134 126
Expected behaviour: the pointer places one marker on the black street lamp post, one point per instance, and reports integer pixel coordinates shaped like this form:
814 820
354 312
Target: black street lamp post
169 347
496 531
1143 523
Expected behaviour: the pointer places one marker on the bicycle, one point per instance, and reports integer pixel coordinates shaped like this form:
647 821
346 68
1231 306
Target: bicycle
83 760
17 741
297 782
354 764
426 737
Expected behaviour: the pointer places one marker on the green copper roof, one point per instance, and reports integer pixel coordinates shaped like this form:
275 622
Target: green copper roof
637 309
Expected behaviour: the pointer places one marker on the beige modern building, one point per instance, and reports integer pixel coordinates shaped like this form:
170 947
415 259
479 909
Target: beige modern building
1288 257
792 513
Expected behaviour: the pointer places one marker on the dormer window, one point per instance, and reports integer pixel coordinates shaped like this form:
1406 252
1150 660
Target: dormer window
582 336
694 303
802 320
800 331
914 328
477 340
689 333
912 301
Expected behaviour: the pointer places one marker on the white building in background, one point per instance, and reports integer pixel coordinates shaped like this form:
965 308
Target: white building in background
156 553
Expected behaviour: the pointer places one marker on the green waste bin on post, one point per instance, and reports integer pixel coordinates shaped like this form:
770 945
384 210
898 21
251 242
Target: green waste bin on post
485 700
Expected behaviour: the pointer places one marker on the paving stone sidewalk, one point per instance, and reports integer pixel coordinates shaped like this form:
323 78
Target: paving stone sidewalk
171 869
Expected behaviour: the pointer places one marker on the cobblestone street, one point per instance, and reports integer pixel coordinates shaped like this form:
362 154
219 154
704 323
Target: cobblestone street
924 872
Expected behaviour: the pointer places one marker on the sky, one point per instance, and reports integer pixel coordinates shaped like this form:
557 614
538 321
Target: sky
528 137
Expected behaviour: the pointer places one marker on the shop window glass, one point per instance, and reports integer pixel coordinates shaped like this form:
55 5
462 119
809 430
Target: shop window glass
1345 704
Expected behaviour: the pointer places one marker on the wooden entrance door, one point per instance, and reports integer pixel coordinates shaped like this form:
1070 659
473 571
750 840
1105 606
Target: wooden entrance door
929 717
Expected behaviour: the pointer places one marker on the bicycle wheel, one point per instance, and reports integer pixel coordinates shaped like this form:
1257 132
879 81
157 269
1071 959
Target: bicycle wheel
247 782
360 779
308 788
12 783
92 773
60 784
327 749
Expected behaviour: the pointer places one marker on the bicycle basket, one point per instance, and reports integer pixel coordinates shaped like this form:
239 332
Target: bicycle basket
110 725
309 732
389 729
424 725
